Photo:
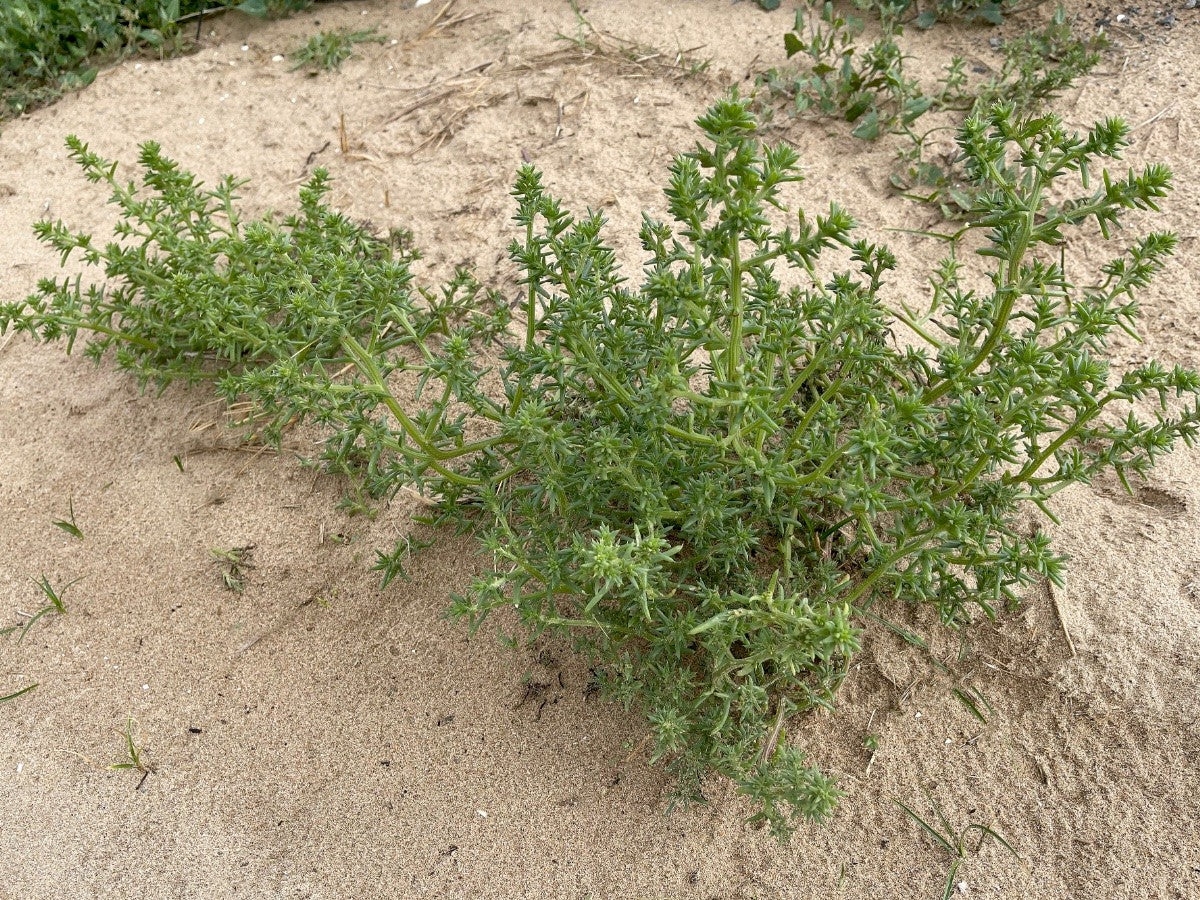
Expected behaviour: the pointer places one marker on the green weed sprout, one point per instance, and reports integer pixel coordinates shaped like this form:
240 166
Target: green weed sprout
711 480
134 758
329 49
955 843
55 605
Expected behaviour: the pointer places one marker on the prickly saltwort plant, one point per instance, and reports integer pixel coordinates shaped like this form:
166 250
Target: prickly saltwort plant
711 480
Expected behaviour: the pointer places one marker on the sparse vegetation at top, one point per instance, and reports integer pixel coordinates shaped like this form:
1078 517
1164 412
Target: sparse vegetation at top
871 88
713 480
48 47
327 50
925 15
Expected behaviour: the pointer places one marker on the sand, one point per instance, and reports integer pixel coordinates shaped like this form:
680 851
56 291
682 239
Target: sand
317 737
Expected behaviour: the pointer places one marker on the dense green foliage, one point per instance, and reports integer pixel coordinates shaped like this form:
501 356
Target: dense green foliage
870 86
711 480
51 46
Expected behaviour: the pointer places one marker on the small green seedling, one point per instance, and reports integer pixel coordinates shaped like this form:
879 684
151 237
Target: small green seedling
955 843
233 562
871 745
54 606
329 49
68 525
135 757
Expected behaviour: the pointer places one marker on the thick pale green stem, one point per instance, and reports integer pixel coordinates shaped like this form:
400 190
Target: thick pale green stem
364 362
884 568
1007 288
1031 467
733 353
531 299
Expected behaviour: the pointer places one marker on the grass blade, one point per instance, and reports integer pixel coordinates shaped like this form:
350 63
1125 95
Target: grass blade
900 631
964 697
16 694
55 597
984 830
37 615
946 894
942 841
68 525
70 528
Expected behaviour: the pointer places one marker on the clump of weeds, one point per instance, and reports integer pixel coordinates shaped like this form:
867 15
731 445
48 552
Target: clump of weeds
327 50
233 563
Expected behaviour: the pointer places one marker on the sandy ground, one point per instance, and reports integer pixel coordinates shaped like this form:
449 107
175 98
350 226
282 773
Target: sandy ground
316 737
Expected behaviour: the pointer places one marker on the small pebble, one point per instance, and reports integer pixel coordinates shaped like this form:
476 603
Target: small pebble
278 57
481 813
245 47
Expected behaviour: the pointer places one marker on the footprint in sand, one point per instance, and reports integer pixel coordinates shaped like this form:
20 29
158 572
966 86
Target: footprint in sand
1158 500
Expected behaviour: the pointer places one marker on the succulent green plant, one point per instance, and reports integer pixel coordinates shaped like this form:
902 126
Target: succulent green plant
714 479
